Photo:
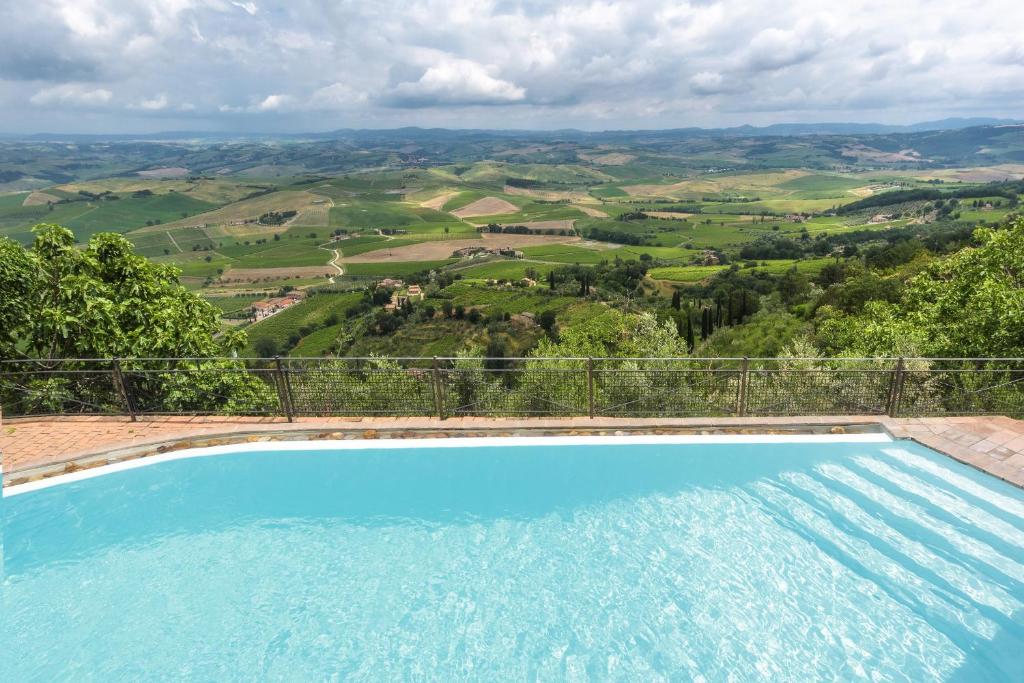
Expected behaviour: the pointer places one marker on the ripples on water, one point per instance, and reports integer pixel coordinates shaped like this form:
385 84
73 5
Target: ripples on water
704 562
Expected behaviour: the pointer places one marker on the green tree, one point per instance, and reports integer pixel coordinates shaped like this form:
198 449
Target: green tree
970 303
102 301
793 286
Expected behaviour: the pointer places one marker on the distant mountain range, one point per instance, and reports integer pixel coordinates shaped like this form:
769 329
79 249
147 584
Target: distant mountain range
866 128
777 129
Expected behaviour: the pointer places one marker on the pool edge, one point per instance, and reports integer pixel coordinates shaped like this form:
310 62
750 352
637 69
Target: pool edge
390 438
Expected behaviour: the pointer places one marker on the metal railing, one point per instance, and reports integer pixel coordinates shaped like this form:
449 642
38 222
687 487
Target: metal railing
471 386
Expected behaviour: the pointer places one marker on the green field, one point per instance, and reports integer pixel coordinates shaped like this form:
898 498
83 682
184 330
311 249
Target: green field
465 197
129 213
254 216
364 243
234 306
363 213
275 254
822 186
684 273
168 243
505 270
393 269
567 253
86 218
690 274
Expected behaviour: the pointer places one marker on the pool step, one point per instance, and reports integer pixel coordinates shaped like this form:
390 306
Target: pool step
945 545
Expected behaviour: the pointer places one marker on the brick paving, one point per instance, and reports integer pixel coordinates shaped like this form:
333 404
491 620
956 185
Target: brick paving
54 445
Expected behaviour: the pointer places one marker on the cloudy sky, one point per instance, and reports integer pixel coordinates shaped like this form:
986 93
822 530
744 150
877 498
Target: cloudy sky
256 65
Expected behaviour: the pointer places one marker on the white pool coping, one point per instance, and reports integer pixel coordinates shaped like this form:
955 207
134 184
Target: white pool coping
462 442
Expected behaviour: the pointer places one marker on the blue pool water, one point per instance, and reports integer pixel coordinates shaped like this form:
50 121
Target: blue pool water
799 561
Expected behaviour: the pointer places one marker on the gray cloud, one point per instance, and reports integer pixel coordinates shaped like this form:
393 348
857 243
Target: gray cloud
273 65
33 64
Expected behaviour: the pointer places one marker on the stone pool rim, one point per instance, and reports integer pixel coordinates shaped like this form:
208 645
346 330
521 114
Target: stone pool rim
118 460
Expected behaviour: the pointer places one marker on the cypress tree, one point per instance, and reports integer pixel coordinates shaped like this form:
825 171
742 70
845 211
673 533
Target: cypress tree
689 332
676 300
551 279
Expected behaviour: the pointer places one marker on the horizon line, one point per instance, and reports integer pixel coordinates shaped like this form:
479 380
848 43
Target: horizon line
970 121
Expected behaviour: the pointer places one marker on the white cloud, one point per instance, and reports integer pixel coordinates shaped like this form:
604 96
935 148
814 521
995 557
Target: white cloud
508 63
249 7
273 102
775 48
71 94
455 82
153 104
707 83
270 103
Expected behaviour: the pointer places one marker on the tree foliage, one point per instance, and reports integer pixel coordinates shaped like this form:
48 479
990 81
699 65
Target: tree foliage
103 301
59 301
970 303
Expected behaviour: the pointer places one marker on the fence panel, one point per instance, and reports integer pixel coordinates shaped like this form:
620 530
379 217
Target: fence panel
962 387
510 387
59 387
360 386
556 387
190 386
657 387
780 387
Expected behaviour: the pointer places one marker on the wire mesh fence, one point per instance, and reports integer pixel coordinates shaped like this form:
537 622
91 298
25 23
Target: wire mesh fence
509 387
788 386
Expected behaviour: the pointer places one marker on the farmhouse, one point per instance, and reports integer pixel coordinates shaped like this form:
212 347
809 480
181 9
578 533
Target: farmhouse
474 252
400 299
267 307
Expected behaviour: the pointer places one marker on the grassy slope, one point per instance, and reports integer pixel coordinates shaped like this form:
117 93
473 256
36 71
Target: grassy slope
314 310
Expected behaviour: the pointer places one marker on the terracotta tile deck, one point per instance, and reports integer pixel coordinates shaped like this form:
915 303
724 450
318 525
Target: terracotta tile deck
30 446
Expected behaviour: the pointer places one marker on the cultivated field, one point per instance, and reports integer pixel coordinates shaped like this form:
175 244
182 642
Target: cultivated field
39 198
487 206
282 273
622 206
429 251
437 203
231 219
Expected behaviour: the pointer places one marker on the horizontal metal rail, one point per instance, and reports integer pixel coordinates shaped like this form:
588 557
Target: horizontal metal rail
536 386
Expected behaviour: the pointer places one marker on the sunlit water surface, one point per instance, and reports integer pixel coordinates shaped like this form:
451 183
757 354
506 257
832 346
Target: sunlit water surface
634 562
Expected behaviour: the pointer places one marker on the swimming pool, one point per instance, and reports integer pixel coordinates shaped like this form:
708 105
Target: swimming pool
644 558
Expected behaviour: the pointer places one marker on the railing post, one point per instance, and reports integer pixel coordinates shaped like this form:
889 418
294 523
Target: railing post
435 375
122 388
590 387
741 394
284 392
895 389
